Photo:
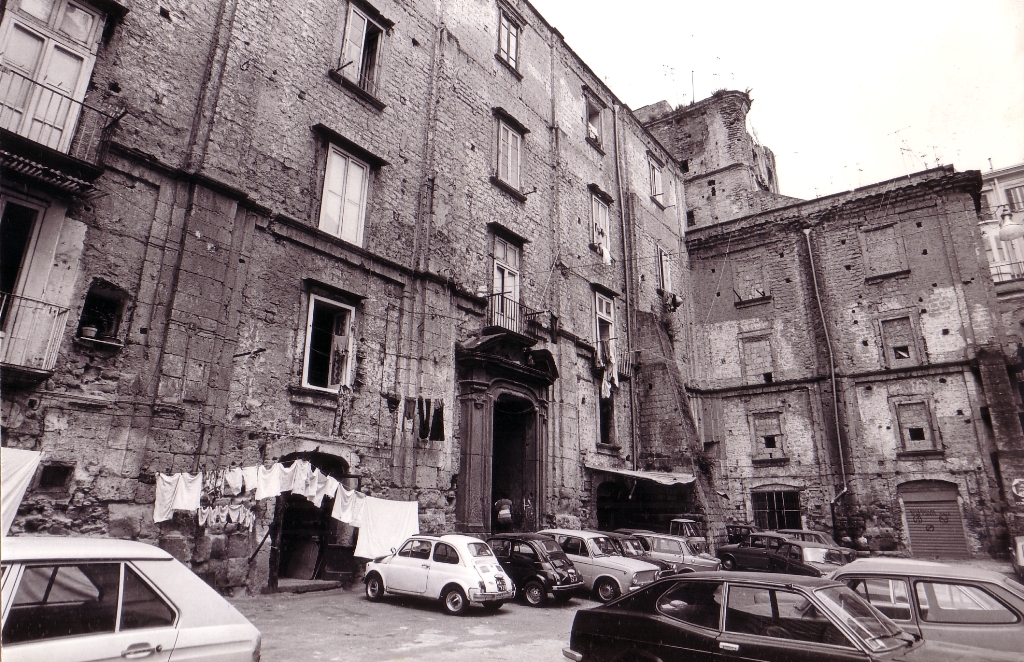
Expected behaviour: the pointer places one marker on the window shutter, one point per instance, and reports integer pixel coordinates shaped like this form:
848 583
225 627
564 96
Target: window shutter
340 351
513 163
352 54
503 154
666 271
334 189
355 185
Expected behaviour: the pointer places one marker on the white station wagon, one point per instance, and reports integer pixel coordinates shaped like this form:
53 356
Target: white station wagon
88 599
599 564
458 570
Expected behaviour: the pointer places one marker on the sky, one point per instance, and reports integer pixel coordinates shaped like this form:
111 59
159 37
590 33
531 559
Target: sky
845 94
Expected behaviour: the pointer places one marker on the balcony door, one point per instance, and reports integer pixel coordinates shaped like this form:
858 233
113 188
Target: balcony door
506 285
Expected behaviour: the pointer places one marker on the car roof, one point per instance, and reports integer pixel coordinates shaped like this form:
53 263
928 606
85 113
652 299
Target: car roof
457 538
63 548
518 536
808 543
617 534
801 531
918 568
574 532
679 519
770 534
634 531
776 579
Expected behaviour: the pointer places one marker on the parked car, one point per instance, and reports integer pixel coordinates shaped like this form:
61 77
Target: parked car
537 566
677 550
942 603
692 530
798 557
820 537
603 570
752 553
631 546
1017 556
457 570
84 599
705 617
737 532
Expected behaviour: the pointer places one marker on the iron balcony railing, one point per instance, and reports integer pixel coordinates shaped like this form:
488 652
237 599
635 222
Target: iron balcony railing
507 313
51 118
1003 272
32 331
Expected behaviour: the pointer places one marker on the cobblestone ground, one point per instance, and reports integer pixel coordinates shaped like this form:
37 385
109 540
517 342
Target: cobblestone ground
345 626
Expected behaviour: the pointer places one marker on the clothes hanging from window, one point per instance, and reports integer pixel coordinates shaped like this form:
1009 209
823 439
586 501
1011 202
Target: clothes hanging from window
268 482
176 492
384 525
437 424
233 481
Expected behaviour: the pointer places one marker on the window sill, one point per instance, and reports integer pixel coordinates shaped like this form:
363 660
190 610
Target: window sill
903 273
596 144
770 461
936 454
608 449
753 302
110 344
657 202
507 65
508 188
355 90
304 395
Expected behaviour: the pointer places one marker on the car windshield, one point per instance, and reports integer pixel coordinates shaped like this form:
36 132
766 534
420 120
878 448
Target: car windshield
867 623
604 546
479 549
823 555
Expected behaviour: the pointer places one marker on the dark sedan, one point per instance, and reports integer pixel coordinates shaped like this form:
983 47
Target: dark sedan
751 617
752 553
813 559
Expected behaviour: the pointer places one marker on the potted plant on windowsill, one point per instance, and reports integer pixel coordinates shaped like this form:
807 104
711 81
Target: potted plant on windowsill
98 322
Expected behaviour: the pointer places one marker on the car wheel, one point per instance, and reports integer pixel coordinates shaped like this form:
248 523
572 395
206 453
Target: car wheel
493 606
607 590
455 602
535 594
728 563
374 587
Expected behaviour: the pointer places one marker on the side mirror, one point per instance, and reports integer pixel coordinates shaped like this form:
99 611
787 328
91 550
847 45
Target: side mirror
393 551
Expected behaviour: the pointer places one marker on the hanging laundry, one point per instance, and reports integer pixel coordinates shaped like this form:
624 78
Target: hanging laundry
410 409
249 477
268 482
348 506
385 524
437 425
287 476
312 483
233 481
328 486
176 492
204 514
424 415
235 512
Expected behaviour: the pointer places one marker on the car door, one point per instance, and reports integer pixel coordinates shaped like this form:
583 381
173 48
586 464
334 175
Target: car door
86 612
524 559
445 567
967 613
889 595
686 627
778 560
667 549
575 549
408 570
753 553
775 625
503 552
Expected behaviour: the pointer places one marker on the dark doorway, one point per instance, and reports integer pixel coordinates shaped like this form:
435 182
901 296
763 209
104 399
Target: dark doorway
312 544
514 465
15 233
643 505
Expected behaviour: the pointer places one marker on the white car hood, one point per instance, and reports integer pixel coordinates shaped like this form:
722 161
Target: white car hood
624 563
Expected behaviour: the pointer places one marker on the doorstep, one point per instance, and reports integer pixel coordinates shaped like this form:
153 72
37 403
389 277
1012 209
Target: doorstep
305 585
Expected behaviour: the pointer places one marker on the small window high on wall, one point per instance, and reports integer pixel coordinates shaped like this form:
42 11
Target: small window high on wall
102 312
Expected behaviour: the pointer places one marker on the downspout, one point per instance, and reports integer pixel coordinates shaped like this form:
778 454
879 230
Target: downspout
832 369
627 248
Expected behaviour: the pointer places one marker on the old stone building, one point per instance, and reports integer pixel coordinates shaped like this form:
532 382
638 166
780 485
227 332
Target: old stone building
420 245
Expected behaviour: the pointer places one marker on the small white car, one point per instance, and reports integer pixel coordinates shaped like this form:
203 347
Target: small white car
457 570
602 569
89 599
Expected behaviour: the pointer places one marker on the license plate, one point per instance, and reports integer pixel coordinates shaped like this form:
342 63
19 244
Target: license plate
501 584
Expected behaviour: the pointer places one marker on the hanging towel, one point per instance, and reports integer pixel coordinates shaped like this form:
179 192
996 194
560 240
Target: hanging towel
384 525
268 482
348 506
424 414
204 514
328 486
165 487
176 492
249 477
233 481
312 484
235 513
437 425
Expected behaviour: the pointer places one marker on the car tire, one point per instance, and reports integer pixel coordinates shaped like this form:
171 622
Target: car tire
455 602
493 606
728 563
607 590
535 594
374 587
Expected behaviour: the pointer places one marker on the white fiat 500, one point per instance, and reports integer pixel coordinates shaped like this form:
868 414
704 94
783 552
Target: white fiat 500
88 599
457 570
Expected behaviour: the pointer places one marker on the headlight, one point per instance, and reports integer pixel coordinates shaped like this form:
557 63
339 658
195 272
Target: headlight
636 580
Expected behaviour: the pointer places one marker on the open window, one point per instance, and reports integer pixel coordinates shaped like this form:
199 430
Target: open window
657 183
600 227
361 54
102 312
329 341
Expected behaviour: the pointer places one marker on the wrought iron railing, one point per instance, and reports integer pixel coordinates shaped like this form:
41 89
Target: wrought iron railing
1006 271
32 331
508 313
51 118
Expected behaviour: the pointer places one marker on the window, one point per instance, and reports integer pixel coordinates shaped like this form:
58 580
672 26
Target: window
595 121
665 269
360 55
343 206
54 476
328 344
141 607
601 237
606 411
691 219
1015 198
780 615
573 545
416 549
898 342
657 190
63 601
102 311
510 144
889 596
524 551
445 554
666 546
605 308
501 548
53 41
883 251
748 279
960 603
508 40
777 510
915 426
697 603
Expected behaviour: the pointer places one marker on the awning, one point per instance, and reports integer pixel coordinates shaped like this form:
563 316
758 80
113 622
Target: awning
659 477
16 470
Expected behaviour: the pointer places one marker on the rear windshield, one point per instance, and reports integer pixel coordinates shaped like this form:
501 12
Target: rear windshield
550 546
479 549
824 555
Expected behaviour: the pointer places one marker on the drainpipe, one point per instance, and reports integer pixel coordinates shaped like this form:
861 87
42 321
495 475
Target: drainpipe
628 264
832 371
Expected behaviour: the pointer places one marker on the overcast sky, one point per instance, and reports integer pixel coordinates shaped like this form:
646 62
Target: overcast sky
845 95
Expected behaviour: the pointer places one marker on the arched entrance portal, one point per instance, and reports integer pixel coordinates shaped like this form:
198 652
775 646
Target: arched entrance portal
307 542
514 466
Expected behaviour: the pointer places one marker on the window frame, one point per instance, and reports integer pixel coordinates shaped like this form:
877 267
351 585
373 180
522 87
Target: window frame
509 29
865 232
600 228
311 306
358 76
1015 203
334 150
905 443
657 177
594 131
506 157
665 270
890 360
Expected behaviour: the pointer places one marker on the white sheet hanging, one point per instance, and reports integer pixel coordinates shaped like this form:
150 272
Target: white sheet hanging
385 524
16 470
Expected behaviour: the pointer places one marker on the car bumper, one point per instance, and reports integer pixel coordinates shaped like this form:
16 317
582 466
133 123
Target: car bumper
572 655
475 595
563 588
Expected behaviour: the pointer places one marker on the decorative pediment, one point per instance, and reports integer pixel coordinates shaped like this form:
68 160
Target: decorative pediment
505 355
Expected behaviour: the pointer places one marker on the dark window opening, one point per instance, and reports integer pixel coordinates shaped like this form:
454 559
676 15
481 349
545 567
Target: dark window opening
777 510
15 231
901 352
769 441
328 358
915 434
986 416
768 379
54 476
102 311
685 165
607 419
691 219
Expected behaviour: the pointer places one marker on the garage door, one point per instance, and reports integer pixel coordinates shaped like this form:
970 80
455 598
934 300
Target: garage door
934 525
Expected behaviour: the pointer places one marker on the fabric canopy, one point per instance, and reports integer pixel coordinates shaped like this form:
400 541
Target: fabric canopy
660 477
16 470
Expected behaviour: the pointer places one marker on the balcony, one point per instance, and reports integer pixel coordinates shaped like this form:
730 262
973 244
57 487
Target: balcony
506 313
30 338
49 136
1006 271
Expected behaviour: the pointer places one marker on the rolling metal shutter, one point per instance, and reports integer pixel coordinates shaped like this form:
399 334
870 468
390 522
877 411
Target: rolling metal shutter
934 525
